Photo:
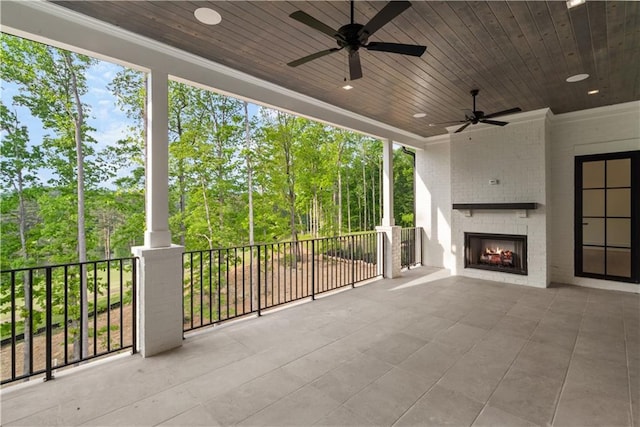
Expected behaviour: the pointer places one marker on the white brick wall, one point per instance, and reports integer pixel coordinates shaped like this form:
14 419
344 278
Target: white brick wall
515 155
599 130
433 202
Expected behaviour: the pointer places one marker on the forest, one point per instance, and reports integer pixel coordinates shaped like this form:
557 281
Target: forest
235 178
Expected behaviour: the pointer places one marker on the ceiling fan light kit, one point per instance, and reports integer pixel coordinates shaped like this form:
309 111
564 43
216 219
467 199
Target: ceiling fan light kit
354 36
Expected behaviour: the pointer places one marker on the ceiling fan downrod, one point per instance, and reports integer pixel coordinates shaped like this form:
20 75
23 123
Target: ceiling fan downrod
352 11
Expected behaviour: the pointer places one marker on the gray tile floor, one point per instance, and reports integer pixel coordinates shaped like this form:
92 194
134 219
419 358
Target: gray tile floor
425 349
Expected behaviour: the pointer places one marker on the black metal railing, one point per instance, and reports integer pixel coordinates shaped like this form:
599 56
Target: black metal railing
408 244
42 311
223 284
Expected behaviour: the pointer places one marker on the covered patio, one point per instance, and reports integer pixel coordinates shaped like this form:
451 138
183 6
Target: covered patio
435 345
424 349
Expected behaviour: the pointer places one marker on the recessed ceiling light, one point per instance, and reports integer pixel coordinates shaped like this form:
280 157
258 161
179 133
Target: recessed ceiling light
574 3
347 87
207 16
593 92
419 115
577 78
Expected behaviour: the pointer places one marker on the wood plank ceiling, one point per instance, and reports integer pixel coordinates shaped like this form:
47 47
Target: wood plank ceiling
517 53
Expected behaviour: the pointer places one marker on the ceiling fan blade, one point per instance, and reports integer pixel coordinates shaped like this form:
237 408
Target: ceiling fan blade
403 49
494 122
390 11
463 127
355 69
502 113
312 57
312 22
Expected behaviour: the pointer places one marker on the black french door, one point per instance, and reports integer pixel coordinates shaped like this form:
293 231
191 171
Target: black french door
607 216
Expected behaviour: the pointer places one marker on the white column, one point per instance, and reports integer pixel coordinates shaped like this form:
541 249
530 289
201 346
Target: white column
387 183
391 259
157 233
159 309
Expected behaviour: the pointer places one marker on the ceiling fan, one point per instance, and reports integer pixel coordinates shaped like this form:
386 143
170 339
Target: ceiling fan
474 117
354 36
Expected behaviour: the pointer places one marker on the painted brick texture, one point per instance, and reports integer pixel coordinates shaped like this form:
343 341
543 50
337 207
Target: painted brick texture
515 155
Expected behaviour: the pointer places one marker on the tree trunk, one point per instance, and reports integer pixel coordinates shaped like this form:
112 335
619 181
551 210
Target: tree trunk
181 185
291 182
315 215
82 245
360 214
380 189
249 170
364 189
107 235
348 207
219 171
207 213
339 201
26 282
183 202
373 201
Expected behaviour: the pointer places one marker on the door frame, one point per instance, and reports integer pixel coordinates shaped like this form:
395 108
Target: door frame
635 215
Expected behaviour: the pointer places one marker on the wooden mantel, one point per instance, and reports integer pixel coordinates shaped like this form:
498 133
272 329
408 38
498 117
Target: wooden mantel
521 208
495 206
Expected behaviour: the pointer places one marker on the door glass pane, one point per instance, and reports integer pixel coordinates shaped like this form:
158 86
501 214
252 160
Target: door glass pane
593 202
618 232
619 262
619 173
593 231
593 174
618 202
593 260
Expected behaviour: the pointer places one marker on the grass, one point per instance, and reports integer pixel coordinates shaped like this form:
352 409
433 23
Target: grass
58 318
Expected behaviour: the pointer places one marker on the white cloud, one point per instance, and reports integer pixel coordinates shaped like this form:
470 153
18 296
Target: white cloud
108 137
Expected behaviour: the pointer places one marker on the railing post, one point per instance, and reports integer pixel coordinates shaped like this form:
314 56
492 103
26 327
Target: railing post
313 269
353 261
383 246
250 277
13 325
259 302
134 305
49 326
418 249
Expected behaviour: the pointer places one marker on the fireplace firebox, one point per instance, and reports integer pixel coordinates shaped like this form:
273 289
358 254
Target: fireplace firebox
505 253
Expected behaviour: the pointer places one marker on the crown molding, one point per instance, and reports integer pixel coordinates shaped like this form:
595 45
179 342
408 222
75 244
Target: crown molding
599 112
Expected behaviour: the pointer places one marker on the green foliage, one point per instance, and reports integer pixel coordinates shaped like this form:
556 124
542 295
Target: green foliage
308 177
403 177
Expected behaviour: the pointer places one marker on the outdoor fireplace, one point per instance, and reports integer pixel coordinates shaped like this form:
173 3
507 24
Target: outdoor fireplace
505 253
